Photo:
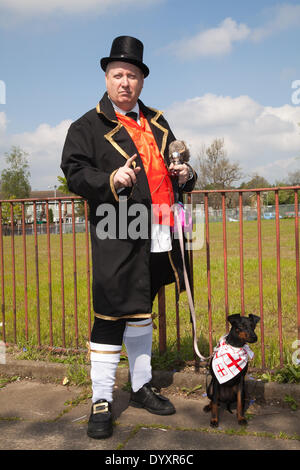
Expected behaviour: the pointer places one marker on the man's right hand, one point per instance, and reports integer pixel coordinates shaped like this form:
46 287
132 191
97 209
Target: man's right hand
125 177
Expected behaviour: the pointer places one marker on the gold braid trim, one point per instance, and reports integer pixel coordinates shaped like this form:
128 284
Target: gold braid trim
104 352
134 315
140 326
89 351
112 186
104 317
130 317
109 137
163 129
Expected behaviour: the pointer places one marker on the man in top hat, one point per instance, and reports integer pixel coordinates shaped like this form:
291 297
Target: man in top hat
116 159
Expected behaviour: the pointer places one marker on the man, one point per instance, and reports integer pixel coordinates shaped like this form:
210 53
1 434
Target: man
118 161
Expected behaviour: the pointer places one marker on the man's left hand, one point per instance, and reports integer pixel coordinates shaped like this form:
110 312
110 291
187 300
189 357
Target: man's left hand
182 171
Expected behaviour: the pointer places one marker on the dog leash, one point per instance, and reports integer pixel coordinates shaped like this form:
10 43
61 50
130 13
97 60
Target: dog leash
187 285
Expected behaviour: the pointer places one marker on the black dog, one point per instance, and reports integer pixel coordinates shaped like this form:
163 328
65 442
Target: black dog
232 389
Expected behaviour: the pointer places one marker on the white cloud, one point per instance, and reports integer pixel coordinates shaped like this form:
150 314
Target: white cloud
220 40
3 122
261 138
199 111
281 18
214 41
33 8
44 147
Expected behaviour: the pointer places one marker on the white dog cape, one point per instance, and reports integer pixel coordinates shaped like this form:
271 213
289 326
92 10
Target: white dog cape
228 361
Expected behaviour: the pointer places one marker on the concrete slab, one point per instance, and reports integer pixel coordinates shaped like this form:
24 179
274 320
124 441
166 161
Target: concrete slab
190 415
35 415
157 439
274 419
29 399
34 435
80 412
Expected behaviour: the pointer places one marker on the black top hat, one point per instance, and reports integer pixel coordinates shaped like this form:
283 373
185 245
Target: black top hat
126 49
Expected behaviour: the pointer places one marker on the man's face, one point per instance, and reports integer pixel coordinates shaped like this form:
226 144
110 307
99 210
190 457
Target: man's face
124 83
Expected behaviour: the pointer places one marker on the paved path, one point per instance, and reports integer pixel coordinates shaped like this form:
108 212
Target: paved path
47 416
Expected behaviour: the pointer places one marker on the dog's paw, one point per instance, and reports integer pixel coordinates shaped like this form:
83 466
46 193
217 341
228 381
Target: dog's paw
242 422
214 423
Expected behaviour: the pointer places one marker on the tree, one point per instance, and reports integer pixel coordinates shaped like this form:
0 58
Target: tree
215 171
63 185
256 182
294 178
79 206
50 215
15 178
6 212
284 196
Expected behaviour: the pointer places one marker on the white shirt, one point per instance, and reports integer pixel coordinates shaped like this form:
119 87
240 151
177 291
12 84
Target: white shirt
161 239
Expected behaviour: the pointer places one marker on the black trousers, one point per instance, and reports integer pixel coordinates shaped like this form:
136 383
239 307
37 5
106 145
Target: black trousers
110 331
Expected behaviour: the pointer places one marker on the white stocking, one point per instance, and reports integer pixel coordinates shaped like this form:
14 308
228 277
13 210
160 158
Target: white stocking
104 362
138 341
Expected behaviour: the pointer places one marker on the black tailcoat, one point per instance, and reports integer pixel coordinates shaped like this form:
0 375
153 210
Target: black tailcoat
96 145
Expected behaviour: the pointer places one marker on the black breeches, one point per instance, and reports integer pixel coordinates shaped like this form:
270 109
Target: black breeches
112 331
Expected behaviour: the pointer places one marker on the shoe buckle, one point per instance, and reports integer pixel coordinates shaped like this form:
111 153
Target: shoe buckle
155 391
100 408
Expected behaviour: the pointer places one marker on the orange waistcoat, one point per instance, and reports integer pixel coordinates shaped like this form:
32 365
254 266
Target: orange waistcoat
157 174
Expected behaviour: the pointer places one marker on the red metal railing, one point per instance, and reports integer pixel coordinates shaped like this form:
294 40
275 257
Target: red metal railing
260 259
70 328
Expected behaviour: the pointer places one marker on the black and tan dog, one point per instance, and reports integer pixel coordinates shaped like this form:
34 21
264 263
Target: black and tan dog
229 365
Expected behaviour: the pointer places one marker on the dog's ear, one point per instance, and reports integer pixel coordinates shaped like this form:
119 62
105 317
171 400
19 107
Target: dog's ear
254 318
234 318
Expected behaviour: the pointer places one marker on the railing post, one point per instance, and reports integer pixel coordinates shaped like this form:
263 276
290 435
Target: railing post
278 277
37 279
241 253
2 278
49 276
297 262
225 257
25 271
207 241
260 277
61 249
12 235
75 275
87 266
162 321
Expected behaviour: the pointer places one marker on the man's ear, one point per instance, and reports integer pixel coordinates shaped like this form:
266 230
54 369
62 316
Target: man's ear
234 318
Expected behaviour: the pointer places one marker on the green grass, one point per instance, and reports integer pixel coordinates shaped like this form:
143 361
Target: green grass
252 304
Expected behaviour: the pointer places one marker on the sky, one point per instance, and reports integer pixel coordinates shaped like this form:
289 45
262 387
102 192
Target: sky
218 69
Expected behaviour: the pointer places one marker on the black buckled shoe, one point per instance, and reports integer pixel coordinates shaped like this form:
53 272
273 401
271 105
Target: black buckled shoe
100 423
147 397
